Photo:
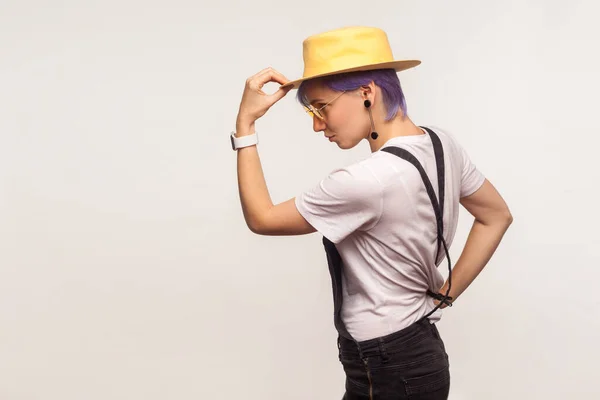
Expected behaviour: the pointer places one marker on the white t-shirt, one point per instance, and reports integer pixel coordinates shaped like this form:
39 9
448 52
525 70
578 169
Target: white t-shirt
378 214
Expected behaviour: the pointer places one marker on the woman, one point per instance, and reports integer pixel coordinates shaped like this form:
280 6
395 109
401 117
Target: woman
386 220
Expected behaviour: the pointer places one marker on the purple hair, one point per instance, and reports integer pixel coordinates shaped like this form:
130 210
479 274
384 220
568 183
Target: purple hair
386 79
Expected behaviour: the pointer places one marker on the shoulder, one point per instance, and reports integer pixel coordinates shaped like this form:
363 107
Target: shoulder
346 200
357 180
447 137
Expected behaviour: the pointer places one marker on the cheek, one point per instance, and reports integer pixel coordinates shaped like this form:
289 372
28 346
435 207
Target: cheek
349 123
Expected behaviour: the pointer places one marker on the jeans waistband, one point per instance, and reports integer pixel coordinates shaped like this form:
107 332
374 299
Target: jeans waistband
383 344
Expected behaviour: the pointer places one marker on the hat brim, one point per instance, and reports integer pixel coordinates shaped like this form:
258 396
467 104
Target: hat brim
396 65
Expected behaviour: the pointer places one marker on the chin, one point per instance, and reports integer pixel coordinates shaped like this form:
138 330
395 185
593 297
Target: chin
340 144
346 145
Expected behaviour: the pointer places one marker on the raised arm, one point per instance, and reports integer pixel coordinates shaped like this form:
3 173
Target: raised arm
261 215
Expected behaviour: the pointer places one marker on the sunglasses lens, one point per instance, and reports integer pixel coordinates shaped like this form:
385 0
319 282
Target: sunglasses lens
314 113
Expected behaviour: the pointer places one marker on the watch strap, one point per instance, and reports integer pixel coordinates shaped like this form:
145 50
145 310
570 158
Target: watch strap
244 141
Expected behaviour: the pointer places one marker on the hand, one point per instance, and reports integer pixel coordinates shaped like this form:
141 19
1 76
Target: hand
255 103
436 302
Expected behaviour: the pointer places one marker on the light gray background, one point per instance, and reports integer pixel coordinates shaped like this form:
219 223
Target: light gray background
126 268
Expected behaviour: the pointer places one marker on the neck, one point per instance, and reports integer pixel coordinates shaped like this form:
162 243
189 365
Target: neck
389 129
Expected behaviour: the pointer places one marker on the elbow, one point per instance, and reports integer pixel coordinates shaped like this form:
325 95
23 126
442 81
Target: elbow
504 220
509 219
258 223
500 220
256 230
256 226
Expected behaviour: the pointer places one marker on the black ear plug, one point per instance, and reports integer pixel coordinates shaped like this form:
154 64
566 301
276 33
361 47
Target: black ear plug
367 103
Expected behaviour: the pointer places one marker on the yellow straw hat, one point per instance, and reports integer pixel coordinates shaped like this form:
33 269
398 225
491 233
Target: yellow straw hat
355 48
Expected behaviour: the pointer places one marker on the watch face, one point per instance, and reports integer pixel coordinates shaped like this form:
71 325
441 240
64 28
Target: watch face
232 144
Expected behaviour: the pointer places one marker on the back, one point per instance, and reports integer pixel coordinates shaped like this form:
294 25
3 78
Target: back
380 217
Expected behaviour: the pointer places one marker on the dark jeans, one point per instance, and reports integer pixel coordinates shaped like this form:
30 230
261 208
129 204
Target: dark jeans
411 364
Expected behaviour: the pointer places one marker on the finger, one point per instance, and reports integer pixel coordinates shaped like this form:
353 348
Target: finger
255 76
256 80
279 94
281 78
271 76
268 69
262 71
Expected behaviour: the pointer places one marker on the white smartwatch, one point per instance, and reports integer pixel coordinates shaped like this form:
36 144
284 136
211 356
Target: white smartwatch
244 141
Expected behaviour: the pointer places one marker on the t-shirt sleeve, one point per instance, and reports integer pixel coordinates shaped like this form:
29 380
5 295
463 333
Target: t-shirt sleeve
472 178
347 200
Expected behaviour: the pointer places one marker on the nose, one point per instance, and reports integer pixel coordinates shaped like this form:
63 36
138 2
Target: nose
318 124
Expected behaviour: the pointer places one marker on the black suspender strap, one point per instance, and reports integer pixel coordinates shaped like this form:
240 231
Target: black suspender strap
438 205
441 173
441 167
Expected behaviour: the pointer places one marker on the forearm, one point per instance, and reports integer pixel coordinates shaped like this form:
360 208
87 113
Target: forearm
482 242
254 194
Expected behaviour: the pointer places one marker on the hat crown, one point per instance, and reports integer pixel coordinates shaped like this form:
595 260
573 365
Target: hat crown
345 48
348 49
